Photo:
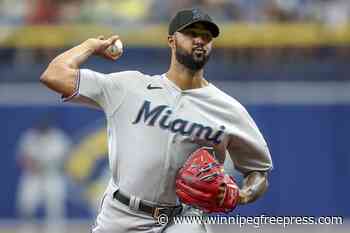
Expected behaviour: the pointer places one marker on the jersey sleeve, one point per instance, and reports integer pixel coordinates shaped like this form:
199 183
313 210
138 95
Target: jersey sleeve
105 91
247 146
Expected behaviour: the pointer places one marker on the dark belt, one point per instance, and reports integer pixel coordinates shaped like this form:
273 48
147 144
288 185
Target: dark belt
154 211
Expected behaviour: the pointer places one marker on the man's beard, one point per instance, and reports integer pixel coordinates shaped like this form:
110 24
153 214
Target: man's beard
192 60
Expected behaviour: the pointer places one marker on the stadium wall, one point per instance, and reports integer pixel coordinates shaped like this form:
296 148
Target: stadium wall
308 141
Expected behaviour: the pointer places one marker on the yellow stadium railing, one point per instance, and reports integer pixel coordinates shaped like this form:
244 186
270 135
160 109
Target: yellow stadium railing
233 35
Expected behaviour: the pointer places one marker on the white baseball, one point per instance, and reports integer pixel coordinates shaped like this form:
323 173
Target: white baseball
116 49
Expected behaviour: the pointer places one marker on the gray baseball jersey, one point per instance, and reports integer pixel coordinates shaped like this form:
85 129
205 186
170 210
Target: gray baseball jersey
153 126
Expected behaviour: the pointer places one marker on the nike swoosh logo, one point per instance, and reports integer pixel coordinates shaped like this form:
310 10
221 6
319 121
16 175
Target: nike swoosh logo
150 87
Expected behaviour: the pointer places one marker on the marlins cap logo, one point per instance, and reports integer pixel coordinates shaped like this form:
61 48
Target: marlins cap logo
196 14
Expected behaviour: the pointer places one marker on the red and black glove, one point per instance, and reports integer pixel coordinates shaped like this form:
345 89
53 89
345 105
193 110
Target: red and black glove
202 183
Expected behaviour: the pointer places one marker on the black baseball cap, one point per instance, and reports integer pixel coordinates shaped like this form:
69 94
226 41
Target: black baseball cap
185 18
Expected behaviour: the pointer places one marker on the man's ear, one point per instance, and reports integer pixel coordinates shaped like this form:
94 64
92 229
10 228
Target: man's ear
171 41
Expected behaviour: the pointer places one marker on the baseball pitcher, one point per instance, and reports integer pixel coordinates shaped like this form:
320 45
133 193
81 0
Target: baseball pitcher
163 132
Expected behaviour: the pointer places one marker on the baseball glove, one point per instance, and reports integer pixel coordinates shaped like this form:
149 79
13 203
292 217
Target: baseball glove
202 183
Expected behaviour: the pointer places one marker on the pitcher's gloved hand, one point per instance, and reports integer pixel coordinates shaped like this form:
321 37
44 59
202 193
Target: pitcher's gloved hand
202 183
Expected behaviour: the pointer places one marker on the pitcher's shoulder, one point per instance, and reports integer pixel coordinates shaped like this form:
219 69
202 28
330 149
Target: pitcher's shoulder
126 74
228 100
134 74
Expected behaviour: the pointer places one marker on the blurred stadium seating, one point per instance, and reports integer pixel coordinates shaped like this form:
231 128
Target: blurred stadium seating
286 60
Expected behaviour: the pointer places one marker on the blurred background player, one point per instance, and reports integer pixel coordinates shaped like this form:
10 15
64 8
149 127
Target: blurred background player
42 153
